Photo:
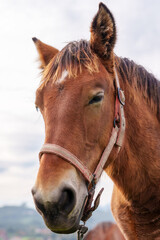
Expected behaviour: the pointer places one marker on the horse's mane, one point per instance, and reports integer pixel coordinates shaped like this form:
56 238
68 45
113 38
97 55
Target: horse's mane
139 78
72 58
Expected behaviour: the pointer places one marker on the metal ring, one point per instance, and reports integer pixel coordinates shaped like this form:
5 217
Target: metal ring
121 98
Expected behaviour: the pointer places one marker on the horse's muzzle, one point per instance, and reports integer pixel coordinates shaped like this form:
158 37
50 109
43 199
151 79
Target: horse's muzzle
62 214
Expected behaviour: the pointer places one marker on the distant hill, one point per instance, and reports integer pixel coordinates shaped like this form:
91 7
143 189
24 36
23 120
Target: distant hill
26 223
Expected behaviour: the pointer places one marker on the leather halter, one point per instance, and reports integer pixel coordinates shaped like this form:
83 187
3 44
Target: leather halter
116 138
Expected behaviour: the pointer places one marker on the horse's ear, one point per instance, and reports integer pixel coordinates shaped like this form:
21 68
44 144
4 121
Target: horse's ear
103 36
46 52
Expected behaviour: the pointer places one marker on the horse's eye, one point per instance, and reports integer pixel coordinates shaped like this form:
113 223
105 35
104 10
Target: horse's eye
98 98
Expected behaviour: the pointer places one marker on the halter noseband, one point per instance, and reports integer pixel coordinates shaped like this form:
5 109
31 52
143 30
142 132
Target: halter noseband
116 138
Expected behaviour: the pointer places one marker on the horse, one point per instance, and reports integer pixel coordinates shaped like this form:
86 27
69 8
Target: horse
105 231
101 112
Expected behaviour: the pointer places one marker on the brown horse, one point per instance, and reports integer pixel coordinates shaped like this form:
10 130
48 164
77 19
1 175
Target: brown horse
78 100
105 231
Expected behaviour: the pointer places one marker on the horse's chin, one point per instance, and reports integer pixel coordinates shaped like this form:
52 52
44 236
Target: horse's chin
72 230
69 229
62 225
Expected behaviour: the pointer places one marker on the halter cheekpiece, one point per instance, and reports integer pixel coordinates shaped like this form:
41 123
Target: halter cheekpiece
117 137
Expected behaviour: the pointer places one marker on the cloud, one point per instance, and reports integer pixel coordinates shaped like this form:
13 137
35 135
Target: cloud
3 169
16 184
139 35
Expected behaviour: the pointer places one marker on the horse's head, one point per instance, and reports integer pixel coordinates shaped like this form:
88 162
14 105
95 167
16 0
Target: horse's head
76 98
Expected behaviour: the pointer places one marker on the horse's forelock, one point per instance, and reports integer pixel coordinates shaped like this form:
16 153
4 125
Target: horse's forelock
72 58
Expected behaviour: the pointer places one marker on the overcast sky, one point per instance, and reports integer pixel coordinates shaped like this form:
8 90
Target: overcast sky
55 22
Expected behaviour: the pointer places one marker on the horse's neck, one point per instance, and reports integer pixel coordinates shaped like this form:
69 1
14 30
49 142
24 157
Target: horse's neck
137 169
135 223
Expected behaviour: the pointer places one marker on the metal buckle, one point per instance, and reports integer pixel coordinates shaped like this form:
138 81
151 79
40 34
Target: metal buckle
82 230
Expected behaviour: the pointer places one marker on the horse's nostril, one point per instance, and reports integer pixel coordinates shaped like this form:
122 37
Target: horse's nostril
40 207
62 202
67 200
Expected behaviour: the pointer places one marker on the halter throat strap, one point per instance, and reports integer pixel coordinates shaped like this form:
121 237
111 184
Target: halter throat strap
117 136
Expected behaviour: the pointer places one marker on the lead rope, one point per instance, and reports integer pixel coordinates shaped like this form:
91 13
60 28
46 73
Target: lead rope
89 209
